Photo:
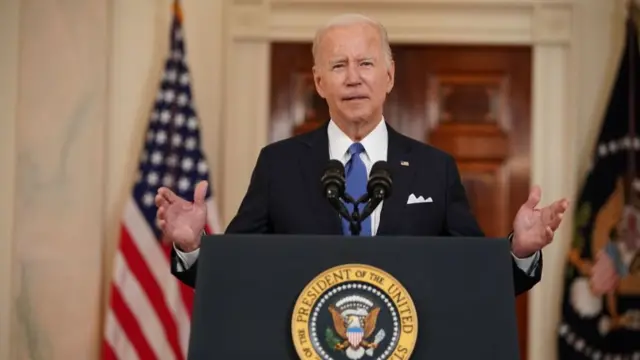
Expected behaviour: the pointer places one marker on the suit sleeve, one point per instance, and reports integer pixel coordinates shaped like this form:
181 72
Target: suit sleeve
461 222
252 217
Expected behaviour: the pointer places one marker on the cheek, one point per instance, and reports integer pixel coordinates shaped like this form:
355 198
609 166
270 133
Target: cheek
331 88
379 90
376 83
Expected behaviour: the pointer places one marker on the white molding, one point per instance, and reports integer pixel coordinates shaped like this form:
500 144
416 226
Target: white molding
553 23
245 119
549 26
432 21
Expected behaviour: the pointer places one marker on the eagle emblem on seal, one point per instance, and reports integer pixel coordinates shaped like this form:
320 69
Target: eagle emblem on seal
355 327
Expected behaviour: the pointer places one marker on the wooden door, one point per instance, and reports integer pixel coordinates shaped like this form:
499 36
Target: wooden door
474 103
471 101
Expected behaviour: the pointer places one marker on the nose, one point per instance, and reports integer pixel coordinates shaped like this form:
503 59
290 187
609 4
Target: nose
353 75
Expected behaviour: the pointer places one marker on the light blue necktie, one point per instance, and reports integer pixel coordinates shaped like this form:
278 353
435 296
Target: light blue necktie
356 173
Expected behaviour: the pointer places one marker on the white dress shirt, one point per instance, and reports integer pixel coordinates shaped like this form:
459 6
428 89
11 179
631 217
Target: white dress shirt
375 149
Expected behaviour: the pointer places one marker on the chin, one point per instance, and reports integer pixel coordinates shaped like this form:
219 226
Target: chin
357 117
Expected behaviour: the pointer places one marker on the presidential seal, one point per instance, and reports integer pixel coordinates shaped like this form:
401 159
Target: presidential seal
354 311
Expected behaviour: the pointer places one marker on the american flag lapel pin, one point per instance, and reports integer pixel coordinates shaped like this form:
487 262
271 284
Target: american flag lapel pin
404 163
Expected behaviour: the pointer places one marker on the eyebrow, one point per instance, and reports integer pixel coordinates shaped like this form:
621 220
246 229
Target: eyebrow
342 60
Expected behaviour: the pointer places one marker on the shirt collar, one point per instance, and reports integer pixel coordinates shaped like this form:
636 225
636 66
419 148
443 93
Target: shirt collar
375 144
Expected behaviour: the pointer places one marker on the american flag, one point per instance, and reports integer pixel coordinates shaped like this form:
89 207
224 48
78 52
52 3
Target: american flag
149 313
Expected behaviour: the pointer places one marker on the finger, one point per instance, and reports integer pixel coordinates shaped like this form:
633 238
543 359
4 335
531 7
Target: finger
168 195
559 206
160 214
552 215
556 221
563 205
549 234
200 192
160 200
550 218
558 209
534 197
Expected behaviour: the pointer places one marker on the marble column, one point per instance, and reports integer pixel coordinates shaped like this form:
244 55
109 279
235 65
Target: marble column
9 40
58 179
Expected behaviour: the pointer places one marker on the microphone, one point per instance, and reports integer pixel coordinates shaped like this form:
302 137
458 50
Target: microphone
334 183
378 187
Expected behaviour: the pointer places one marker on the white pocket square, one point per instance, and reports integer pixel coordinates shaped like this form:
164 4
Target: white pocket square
418 200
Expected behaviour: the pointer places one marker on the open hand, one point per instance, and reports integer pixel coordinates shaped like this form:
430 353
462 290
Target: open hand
181 221
533 228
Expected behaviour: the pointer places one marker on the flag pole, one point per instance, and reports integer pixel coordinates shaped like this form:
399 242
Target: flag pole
173 107
633 47
177 10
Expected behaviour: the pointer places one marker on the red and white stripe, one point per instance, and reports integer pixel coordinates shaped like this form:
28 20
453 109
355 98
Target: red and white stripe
149 316
355 337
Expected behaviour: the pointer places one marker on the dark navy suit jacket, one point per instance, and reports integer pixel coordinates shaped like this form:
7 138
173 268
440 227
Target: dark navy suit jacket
285 196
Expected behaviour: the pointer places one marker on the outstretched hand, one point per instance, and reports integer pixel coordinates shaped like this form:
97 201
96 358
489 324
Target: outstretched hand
181 221
533 228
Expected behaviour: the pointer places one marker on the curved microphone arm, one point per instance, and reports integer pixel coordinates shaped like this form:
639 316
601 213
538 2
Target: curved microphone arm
373 203
378 189
334 183
337 204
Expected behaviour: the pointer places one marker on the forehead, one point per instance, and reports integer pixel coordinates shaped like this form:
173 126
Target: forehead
359 39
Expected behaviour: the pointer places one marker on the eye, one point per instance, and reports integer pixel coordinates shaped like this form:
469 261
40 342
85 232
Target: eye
367 63
337 66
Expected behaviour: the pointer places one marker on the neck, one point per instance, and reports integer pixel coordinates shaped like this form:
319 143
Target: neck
357 131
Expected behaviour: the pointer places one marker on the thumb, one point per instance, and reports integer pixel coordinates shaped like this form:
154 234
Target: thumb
200 192
534 197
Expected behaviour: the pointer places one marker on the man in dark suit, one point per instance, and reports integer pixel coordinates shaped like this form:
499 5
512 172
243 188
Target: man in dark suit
354 71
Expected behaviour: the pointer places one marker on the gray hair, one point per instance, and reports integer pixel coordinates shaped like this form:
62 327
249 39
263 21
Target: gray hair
350 19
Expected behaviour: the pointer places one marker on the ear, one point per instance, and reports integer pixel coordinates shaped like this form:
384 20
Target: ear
391 76
317 80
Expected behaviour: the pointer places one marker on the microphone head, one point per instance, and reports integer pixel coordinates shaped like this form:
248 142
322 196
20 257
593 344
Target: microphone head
334 166
333 179
380 180
381 167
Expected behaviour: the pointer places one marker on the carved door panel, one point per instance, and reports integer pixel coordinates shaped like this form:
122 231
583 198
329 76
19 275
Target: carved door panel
473 102
296 107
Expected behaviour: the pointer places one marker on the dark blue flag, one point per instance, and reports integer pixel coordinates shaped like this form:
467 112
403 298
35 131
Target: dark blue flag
607 221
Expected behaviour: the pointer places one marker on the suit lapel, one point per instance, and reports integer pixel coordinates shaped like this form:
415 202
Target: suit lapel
399 158
312 161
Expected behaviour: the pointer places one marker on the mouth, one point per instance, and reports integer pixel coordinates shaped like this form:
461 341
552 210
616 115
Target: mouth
355 98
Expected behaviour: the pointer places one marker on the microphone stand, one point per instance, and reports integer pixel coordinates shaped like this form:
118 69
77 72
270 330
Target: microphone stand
355 222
